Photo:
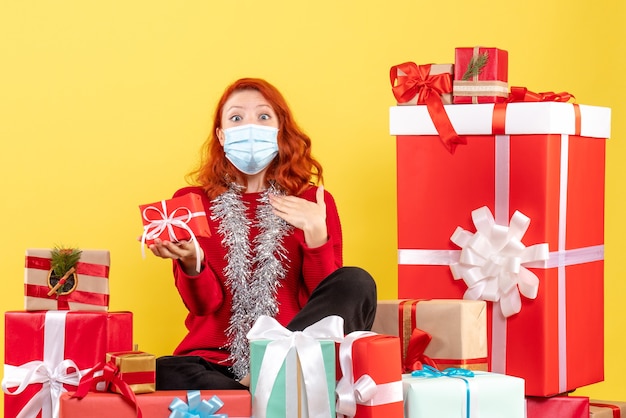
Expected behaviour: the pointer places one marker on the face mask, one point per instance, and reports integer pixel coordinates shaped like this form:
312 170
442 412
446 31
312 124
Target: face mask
251 148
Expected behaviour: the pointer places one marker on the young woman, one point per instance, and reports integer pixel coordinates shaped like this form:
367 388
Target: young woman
275 249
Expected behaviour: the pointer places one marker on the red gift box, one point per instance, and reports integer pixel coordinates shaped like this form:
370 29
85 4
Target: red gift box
607 409
487 85
91 282
557 406
177 219
547 161
237 404
47 352
370 376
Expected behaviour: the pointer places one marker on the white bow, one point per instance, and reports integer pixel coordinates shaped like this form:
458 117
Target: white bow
492 261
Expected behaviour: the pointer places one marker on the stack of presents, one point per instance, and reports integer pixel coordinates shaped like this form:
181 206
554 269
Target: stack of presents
500 281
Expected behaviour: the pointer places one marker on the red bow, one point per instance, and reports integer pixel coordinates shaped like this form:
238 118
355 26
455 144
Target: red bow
428 89
415 357
522 94
110 375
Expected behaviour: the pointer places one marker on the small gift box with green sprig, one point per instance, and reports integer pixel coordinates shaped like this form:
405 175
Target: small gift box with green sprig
480 75
64 278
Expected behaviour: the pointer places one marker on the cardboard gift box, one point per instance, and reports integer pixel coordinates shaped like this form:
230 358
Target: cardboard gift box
293 374
458 329
542 165
410 83
135 368
455 394
177 219
607 409
87 289
480 76
46 350
370 376
152 405
557 406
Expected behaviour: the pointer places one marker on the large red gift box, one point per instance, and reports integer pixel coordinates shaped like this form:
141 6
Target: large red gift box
545 160
489 84
46 353
557 406
370 376
90 290
176 219
237 404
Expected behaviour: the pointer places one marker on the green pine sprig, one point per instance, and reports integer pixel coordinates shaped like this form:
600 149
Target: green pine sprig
476 65
63 259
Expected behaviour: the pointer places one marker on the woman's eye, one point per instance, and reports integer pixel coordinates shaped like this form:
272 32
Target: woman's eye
235 118
264 116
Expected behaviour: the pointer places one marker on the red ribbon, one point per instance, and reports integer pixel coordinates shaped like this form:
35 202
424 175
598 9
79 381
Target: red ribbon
415 357
110 376
617 412
87 269
428 89
522 94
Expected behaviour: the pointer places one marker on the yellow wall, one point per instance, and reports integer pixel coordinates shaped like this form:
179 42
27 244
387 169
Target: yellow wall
103 106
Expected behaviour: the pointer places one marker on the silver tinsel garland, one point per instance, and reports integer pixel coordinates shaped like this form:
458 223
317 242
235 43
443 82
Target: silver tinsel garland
253 270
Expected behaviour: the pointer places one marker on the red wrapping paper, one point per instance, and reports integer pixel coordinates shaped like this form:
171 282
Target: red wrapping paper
91 292
377 356
437 192
173 219
490 85
87 338
237 404
557 406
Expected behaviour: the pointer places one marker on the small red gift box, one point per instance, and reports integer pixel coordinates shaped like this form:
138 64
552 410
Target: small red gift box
135 368
557 406
480 75
87 289
370 376
607 409
44 350
177 219
237 404
544 160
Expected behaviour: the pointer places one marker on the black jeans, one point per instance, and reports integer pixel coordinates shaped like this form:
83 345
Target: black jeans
349 292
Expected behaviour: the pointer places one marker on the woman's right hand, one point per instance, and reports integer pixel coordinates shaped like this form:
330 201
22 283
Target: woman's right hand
184 251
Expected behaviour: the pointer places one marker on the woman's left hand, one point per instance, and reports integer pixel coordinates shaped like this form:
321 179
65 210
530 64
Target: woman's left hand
308 216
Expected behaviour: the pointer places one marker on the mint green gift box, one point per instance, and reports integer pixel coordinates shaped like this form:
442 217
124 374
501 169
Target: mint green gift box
292 374
288 397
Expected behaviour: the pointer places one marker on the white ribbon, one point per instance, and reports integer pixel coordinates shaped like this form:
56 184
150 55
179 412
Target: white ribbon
492 261
311 357
363 391
52 372
167 222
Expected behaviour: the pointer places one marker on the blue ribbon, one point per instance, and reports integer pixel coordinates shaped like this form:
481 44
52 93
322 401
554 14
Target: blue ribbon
196 407
454 372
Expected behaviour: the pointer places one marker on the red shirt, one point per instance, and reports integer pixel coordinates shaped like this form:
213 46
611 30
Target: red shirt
209 300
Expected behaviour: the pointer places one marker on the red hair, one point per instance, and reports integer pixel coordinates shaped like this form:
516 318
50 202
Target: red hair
293 169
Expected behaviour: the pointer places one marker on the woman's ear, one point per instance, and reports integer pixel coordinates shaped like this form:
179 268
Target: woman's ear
220 135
